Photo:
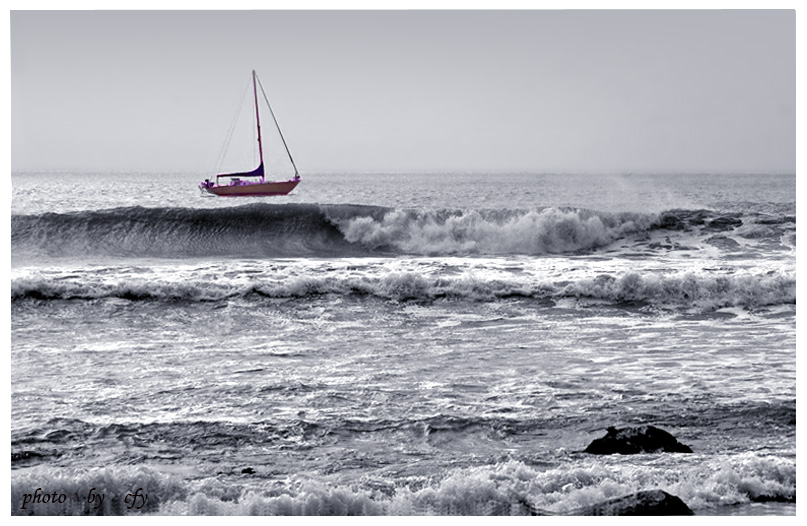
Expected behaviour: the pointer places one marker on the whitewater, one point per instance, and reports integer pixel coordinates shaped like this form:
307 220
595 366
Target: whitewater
401 344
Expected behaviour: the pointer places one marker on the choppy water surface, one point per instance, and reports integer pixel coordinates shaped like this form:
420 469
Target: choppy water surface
401 344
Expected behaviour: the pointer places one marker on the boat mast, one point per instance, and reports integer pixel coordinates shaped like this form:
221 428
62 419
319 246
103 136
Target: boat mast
258 121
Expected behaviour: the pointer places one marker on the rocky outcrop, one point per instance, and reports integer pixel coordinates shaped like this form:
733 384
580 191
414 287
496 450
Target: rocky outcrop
629 441
633 440
653 502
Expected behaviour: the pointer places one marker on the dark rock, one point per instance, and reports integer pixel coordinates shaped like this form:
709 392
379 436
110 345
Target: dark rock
653 502
248 471
633 440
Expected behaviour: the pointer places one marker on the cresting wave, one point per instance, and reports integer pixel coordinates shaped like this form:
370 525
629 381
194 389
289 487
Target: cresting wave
686 290
506 488
303 230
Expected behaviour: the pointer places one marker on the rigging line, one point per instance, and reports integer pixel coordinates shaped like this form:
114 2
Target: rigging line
272 113
255 138
230 130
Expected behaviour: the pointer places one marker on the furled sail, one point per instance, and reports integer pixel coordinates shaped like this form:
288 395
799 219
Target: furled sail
257 172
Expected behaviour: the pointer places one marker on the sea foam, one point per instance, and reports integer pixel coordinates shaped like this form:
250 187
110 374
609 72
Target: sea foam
680 290
506 488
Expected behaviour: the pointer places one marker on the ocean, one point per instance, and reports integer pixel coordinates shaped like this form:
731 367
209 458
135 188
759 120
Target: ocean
400 344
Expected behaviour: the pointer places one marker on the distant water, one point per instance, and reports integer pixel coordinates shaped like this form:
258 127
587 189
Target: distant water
382 344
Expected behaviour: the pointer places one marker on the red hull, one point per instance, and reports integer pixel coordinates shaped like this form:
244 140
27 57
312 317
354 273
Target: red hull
248 189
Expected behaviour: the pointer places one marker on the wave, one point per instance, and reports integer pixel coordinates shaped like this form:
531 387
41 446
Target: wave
249 231
558 481
307 230
682 290
47 442
504 488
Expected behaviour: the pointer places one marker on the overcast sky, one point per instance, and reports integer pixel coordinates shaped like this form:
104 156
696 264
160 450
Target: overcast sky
498 91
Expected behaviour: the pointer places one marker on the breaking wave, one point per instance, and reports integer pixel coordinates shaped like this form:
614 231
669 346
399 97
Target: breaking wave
506 488
683 290
547 231
303 230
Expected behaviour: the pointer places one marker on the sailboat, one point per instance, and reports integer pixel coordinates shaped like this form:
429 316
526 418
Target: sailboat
253 183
